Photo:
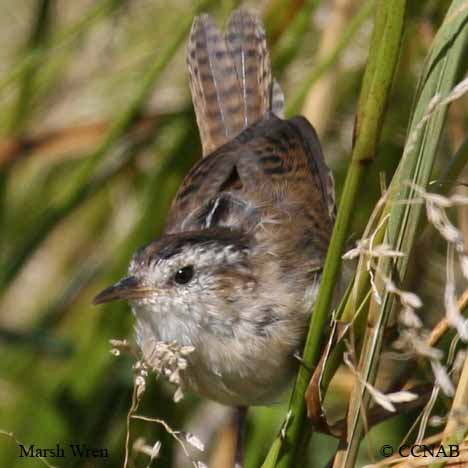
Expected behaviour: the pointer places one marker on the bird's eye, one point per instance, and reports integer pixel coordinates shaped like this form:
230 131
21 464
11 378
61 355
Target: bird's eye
184 275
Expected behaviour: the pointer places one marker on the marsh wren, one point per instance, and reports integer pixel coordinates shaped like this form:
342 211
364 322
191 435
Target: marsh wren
236 272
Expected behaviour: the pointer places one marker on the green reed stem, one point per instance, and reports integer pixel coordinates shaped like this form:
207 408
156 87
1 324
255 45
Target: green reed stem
440 74
378 77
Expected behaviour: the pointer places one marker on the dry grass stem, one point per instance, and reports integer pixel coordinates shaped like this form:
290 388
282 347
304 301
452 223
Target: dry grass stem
443 326
435 103
167 360
190 438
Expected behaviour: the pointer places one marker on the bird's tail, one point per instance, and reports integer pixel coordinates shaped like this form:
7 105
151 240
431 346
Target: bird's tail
230 77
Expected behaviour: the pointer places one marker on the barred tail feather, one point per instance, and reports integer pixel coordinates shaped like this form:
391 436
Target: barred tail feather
246 41
214 85
230 77
277 99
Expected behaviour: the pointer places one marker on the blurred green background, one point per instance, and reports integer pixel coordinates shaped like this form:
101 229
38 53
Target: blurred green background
96 133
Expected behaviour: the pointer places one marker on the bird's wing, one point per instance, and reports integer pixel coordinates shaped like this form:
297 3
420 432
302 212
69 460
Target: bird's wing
287 177
272 164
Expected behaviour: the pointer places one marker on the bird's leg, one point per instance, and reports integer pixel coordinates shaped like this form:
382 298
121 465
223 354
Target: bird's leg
240 418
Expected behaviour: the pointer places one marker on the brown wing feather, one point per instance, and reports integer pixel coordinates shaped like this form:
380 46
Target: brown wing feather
317 164
272 156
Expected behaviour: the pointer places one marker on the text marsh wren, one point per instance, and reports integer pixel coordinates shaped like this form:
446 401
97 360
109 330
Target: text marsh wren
236 272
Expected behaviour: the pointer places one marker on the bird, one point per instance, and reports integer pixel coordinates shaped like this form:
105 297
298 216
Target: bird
237 269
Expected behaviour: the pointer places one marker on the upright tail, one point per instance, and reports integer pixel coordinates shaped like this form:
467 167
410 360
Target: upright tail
230 77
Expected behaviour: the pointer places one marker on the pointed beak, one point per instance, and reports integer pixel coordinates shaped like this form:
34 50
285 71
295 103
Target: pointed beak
127 288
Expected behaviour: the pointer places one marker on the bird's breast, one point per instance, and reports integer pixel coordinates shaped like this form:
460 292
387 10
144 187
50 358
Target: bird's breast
249 366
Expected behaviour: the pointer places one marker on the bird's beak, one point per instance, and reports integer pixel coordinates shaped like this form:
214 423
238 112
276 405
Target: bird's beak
127 288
